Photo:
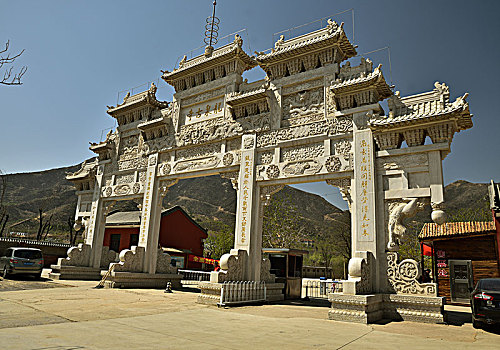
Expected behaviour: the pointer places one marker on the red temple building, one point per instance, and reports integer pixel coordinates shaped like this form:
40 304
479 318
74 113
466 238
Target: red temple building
180 236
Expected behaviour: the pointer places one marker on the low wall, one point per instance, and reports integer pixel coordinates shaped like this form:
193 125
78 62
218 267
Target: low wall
51 251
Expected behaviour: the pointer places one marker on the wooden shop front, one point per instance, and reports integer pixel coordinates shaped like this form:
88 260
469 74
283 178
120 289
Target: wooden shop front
463 253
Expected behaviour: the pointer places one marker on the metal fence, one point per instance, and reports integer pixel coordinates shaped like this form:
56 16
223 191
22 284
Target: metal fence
233 293
193 276
321 289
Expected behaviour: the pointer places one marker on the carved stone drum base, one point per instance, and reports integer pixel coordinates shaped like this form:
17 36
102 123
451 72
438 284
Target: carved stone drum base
141 280
66 272
210 292
372 308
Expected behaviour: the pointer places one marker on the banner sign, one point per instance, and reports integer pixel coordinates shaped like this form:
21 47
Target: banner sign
203 260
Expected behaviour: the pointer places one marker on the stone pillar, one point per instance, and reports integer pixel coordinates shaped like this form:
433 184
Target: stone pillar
97 221
364 229
248 236
150 218
436 185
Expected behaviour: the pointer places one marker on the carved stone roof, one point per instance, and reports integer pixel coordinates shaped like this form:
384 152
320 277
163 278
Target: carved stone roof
142 98
155 123
363 81
221 55
328 36
242 97
87 170
456 229
426 107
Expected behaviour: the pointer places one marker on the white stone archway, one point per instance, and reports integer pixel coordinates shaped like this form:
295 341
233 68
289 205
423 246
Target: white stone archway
314 118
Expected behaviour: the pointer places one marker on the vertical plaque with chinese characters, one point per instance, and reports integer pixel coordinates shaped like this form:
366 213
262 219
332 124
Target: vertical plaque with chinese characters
245 197
365 186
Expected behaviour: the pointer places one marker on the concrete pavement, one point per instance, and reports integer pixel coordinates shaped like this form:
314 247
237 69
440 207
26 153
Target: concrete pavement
76 316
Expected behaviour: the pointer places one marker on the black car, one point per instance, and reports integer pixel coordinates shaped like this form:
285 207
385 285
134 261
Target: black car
485 302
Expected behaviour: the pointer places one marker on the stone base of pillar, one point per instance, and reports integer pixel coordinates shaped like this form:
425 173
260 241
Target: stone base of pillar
210 292
375 307
141 280
66 272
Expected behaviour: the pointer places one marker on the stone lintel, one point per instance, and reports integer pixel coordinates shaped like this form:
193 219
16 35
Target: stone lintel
442 146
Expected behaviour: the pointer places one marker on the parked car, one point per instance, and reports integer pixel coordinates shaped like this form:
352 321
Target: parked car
18 260
485 302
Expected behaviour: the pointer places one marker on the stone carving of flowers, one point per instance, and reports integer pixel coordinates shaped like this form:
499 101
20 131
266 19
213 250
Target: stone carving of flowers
228 159
333 164
273 171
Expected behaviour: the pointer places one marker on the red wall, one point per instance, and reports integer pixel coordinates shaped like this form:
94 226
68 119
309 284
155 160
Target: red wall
176 231
125 236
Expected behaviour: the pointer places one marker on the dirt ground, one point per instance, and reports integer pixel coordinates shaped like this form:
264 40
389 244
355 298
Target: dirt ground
48 314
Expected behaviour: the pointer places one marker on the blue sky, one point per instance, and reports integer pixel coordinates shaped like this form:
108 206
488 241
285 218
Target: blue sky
81 54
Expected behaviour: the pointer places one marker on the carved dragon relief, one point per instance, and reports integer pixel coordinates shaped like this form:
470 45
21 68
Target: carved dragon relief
197 164
398 211
330 127
303 103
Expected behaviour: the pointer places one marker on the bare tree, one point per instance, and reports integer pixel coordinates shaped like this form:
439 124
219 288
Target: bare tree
8 77
334 240
43 227
282 227
4 217
47 227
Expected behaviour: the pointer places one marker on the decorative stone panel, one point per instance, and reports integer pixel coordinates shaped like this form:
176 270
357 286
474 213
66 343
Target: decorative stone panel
303 152
403 277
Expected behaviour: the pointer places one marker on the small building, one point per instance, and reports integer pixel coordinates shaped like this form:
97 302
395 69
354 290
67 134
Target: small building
180 236
286 265
463 253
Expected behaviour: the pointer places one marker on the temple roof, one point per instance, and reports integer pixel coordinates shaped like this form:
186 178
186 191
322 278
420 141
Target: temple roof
235 98
199 63
456 229
86 170
145 97
426 107
331 34
362 82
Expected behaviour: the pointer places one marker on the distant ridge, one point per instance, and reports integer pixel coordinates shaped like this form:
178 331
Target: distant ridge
204 198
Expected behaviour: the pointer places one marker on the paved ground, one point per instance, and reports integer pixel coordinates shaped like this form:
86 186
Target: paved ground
73 315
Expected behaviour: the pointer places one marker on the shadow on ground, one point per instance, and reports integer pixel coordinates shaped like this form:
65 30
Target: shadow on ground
26 282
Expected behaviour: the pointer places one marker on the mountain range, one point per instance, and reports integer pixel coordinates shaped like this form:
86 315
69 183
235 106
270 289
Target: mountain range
205 199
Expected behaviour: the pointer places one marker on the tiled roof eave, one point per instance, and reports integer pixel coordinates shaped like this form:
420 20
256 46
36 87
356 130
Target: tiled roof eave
127 106
409 119
309 45
351 85
80 176
146 99
152 124
247 97
235 53
456 230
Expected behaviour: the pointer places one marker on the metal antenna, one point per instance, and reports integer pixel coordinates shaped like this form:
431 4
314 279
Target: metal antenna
212 28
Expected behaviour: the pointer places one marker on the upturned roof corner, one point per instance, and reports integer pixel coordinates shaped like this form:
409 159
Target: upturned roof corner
147 97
